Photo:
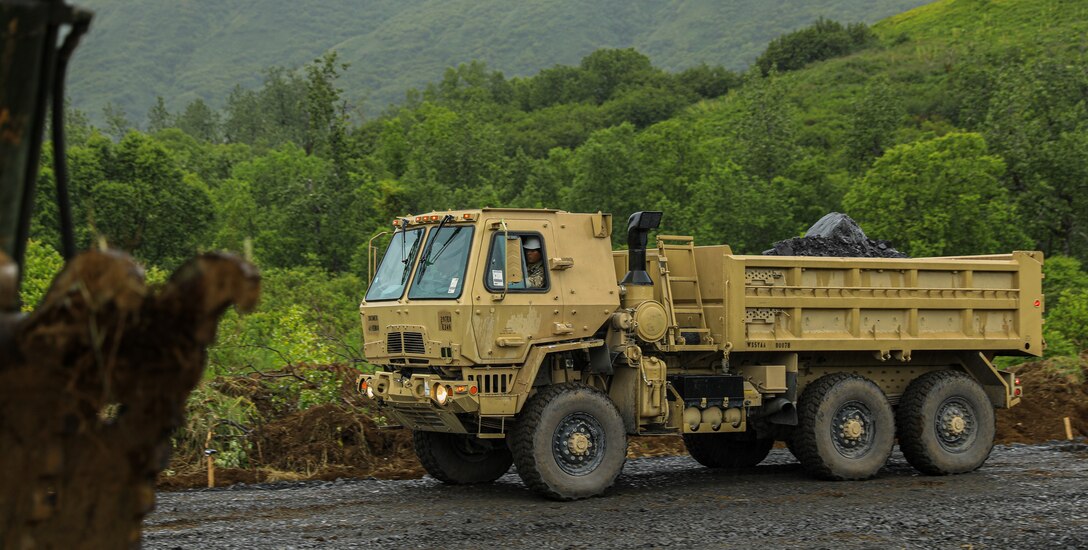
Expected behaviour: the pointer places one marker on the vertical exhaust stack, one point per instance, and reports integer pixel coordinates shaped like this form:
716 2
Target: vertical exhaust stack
637 282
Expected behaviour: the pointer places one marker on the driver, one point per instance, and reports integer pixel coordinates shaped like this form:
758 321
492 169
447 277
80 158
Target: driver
534 263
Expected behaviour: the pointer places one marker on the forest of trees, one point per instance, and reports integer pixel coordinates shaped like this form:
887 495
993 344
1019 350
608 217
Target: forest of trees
140 49
981 150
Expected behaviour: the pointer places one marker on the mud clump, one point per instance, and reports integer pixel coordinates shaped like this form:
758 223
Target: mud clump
835 235
93 383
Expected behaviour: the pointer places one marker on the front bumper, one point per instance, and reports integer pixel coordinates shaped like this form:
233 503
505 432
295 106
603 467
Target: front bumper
411 401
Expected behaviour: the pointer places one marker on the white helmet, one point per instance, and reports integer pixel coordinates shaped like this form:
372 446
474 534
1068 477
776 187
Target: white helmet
532 243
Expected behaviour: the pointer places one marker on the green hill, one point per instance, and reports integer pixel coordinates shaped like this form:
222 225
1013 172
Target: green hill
140 49
960 127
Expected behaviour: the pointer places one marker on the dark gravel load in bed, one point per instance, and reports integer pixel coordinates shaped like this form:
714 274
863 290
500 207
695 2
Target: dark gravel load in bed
835 235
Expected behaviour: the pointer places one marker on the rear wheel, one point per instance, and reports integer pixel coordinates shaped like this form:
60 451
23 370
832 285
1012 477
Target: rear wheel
946 423
728 450
461 458
569 442
846 428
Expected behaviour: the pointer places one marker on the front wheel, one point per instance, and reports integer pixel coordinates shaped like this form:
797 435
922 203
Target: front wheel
569 442
460 459
846 428
946 423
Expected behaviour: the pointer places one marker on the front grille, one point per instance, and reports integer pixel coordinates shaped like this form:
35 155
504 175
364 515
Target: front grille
413 343
405 342
418 416
491 383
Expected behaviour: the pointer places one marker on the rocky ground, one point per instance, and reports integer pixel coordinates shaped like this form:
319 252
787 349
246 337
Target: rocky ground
1026 496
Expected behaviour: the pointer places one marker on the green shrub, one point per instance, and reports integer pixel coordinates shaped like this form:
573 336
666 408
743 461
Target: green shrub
824 39
1066 328
219 421
306 316
42 263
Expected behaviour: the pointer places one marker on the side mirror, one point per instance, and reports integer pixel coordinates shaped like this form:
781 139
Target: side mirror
513 261
511 265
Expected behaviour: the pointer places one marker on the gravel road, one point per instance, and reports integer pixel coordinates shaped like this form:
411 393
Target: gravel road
1024 497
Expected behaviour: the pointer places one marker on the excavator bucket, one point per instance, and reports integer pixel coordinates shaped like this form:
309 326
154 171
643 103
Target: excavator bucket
94 381
92 385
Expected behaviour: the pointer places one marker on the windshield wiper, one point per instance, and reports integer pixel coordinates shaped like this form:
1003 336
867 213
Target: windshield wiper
456 230
403 237
407 261
427 261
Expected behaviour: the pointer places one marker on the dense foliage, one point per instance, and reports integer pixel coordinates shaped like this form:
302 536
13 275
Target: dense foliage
942 142
822 40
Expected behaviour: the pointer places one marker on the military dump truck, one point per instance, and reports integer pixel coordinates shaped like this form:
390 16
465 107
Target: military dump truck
492 359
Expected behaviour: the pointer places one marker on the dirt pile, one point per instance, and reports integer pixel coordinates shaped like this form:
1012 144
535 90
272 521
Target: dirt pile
835 235
1049 396
342 439
326 441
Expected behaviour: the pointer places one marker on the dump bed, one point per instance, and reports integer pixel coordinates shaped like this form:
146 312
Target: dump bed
887 306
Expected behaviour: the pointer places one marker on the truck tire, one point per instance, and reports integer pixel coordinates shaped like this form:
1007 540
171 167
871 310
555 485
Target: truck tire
946 423
569 442
846 428
460 459
728 450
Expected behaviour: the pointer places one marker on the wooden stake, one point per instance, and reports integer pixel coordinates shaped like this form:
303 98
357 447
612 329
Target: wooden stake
1068 429
211 471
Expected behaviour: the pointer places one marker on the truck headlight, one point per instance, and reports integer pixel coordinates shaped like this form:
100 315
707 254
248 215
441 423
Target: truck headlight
441 393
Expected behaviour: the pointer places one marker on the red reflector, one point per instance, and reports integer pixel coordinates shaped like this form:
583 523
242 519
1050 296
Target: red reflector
473 390
1038 303
1017 392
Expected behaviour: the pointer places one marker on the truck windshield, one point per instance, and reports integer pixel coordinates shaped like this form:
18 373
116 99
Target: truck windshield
396 266
442 273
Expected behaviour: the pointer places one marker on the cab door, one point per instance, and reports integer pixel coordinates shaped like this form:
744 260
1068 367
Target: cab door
509 314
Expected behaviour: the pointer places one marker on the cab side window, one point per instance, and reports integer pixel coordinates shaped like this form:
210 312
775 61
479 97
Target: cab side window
516 261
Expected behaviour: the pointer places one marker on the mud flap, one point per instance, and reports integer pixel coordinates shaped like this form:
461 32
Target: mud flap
997 384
